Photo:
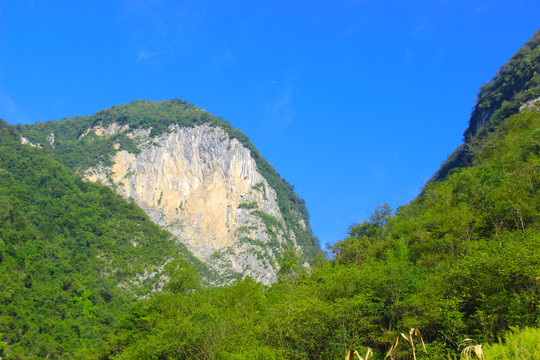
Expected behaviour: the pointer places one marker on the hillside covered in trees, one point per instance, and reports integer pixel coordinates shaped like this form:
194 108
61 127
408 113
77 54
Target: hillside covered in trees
460 261
72 254
74 145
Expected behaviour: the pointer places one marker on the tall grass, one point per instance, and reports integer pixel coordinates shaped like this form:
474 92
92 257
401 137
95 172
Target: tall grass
520 344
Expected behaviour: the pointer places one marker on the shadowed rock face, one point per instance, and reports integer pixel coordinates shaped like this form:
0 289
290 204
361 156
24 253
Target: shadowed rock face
204 188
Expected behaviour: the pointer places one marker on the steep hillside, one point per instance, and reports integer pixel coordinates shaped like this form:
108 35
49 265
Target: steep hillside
195 175
516 83
73 255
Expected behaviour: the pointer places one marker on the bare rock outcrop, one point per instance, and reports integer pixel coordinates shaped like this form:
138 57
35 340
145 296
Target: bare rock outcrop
205 188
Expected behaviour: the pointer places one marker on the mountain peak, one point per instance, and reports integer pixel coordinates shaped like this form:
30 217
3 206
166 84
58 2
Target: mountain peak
194 175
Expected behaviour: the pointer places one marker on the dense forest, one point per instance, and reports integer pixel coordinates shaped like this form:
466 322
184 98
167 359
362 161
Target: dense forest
461 261
71 255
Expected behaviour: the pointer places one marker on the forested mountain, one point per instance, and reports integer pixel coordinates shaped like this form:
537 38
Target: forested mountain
193 174
73 255
516 83
460 261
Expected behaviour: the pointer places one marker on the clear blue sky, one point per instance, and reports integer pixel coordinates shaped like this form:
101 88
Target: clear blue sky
355 103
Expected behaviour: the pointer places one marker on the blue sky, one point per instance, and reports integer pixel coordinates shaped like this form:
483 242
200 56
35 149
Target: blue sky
355 103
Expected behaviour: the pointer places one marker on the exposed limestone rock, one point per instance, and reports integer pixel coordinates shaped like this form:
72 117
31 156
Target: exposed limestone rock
531 105
50 139
25 141
204 188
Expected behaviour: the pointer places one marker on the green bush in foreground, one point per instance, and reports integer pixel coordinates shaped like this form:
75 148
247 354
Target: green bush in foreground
519 344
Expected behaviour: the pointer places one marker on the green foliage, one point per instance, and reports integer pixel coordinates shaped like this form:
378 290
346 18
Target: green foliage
517 82
272 224
248 240
245 229
365 239
518 344
70 256
248 206
182 276
7 132
213 323
459 261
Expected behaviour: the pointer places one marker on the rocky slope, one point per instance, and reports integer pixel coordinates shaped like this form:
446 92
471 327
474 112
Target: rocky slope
198 182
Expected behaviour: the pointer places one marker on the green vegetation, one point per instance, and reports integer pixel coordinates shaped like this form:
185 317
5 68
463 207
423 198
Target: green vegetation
272 224
517 82
261 188
248 206
460 261
245 229
71 253
519 344
249 240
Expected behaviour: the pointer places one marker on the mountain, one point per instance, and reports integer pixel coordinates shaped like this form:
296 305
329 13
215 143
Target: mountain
194 175
74 255
516 83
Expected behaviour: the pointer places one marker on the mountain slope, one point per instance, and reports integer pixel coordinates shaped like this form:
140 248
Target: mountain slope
194 175
73 255
516 83
460 261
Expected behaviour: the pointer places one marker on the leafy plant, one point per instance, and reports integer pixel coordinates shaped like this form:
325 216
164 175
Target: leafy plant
521 344
248 206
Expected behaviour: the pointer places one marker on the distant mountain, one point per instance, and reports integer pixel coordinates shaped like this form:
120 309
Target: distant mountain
516 83
194 175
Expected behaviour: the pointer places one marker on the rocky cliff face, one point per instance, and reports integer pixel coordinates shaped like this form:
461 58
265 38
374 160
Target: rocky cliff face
203 187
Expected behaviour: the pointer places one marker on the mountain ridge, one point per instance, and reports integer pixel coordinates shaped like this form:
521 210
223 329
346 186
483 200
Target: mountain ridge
516 83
